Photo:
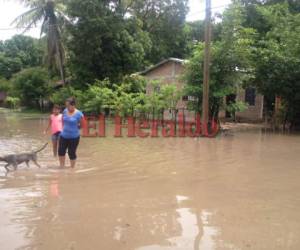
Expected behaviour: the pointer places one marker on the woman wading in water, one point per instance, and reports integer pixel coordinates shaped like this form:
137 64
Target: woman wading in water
70 136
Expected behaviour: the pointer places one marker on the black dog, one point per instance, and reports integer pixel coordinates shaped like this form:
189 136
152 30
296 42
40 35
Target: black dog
17 159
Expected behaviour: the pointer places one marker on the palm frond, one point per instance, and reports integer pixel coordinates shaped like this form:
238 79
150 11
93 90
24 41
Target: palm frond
29 18
33 3
52 14
29 26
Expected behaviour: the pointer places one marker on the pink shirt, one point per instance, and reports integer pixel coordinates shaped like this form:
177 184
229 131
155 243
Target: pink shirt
56 123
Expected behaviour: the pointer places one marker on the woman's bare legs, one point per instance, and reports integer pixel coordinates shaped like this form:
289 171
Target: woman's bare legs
55 146
62 161
73 163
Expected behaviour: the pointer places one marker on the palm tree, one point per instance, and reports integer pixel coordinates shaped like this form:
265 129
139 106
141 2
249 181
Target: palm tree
51 14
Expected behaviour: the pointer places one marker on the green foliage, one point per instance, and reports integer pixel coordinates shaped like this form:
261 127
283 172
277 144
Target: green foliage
9 66
278 63
61 95
169 96
231 62
135 83
194 33
153 100
5 85
164 21
18 53
113 45
98 98
51 14
160 98
29 50
128 98
30 85
125 38
255 43
293 5
13 102
234 107
124 104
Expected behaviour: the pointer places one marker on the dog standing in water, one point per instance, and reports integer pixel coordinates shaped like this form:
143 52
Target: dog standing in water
17 159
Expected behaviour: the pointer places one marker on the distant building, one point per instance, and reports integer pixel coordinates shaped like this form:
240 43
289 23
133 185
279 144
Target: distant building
166 72
255 102
170 71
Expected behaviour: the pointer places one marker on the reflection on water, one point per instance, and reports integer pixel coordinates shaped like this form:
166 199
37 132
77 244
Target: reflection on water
195 231
232 192
190 231
209 233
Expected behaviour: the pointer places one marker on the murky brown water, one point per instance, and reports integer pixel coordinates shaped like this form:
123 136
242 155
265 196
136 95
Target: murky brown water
232 192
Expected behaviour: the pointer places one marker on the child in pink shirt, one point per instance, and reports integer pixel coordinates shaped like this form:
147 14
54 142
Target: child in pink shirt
55 123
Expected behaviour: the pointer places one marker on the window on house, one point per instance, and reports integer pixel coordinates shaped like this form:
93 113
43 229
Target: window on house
189 98
185 98
250 96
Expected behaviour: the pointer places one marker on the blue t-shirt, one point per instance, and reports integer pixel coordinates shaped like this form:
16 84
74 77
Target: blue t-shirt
71 128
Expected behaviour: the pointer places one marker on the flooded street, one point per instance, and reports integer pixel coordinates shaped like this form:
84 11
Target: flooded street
238 191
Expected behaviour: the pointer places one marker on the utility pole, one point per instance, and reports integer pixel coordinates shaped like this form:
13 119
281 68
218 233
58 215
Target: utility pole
205 98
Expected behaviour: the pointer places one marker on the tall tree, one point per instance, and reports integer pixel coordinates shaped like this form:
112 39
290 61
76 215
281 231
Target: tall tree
104 41
29 50
194 33
51 15
278 64
294 5
18 53
231 62
164 20
31 85
122 37
9 66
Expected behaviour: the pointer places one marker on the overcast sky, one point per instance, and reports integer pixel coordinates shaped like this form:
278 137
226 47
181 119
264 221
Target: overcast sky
9 9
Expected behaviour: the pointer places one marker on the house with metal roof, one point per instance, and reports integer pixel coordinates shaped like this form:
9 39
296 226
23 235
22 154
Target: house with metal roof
170 71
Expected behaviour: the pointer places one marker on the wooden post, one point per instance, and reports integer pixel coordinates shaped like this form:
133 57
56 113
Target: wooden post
205 98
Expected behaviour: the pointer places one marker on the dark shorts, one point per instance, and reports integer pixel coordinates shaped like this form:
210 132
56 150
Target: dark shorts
70 145
56 136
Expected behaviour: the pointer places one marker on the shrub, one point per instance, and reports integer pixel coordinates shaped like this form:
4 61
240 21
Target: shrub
59 96
31 85
13 102
4 85
97 99
234 107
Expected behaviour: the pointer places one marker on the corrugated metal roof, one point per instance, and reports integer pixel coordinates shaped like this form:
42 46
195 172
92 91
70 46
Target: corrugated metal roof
171 59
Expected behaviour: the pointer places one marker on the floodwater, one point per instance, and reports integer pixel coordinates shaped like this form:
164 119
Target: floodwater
239 191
